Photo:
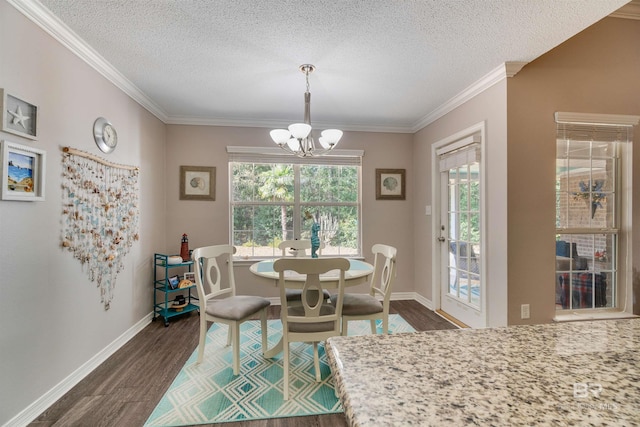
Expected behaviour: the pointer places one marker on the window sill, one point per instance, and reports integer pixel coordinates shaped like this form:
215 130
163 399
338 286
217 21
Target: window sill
580 315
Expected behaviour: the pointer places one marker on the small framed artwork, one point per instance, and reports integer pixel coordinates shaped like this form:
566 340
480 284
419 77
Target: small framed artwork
22 170
197 183
174 281
390 184
18 116
190 276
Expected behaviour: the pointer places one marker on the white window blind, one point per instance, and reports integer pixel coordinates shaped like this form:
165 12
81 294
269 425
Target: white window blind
463 156
277 155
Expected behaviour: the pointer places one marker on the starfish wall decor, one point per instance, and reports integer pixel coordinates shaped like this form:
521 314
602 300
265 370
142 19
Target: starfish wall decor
18 116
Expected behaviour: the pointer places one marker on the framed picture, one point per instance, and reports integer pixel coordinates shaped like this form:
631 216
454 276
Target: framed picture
18 117
22 171
173 282
197 183
190 276
390 184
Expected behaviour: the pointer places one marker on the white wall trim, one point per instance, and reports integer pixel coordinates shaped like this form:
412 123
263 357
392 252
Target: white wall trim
44 19
508 69
273 124
34 410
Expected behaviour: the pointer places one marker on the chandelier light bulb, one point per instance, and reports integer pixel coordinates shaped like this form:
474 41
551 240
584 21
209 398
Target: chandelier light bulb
332 136
293 144
300 130
280 136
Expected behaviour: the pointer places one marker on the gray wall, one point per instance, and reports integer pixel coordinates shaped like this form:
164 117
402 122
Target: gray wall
488 107
52 319
207 222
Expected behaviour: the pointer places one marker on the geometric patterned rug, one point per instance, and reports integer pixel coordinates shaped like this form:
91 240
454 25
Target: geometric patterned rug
210 393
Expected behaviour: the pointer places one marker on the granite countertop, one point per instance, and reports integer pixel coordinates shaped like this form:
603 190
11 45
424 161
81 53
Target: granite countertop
564 374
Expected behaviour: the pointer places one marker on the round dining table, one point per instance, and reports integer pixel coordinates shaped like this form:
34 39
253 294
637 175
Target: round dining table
358 273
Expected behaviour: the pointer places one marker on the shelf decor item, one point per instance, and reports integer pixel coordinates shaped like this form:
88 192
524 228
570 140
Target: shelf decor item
23 172
184 248
18 117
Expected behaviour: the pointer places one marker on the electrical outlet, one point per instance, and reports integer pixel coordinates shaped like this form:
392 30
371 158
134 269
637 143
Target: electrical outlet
524 311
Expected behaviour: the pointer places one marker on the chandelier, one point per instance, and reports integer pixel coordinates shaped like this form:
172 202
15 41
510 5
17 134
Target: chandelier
297 139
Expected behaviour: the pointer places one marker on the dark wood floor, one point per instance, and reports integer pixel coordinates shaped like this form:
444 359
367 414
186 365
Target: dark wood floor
125 389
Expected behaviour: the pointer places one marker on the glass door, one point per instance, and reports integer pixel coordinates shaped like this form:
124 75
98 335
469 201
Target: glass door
462 289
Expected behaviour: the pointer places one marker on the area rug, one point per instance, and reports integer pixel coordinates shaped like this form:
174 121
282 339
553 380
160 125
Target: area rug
210 393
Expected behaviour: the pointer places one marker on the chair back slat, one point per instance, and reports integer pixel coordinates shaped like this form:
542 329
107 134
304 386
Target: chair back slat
384 270
298 245
314 310
295 245
210 277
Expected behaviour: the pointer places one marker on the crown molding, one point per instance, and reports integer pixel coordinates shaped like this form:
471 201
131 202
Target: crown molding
630 10
276 124
508 69
43 18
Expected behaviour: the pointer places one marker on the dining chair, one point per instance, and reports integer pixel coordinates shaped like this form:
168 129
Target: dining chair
314 320
375 304
298 248
295 246
218 300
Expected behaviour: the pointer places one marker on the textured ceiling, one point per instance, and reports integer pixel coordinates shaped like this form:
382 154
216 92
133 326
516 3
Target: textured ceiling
381 64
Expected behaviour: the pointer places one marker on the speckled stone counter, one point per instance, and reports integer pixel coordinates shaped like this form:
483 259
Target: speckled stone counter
562 374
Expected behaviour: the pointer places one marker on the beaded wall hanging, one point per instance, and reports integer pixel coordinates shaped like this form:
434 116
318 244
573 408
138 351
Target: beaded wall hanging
99 215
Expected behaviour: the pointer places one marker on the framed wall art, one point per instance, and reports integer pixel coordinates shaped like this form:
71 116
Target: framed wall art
197 183
390 184
18 116
173 282
23 170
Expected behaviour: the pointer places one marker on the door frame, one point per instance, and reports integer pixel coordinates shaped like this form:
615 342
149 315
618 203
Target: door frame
436 261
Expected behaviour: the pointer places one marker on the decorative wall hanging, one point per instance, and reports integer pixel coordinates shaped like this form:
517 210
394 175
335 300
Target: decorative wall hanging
99 215
390 184
19 117
22 170
197 183
591 194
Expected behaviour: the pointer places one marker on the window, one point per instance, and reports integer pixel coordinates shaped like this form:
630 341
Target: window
589 175
270 195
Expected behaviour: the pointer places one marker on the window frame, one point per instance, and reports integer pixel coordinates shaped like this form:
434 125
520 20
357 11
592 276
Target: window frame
621 228
271 155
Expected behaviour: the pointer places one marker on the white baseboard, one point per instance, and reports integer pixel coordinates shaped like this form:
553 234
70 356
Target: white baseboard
43 403
422 300
34 410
